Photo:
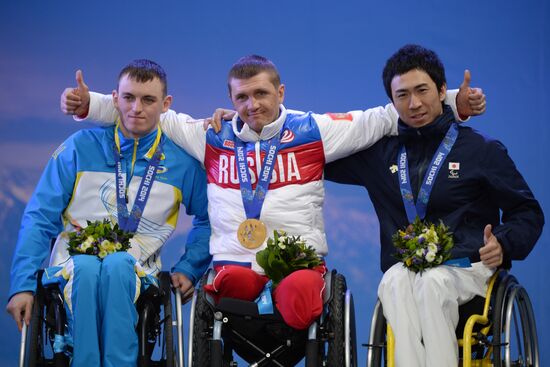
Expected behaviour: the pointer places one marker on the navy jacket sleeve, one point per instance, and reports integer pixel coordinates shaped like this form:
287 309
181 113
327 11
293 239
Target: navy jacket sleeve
522 217
349 170
196 258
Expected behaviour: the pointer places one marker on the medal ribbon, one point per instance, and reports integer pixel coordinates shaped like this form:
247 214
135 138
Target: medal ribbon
130 222
419 209
253 200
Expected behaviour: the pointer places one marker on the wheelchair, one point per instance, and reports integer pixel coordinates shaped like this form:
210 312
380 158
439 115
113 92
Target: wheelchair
217 331
498 330
157 345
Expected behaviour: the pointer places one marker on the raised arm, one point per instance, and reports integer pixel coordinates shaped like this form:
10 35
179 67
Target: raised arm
347 133
99 109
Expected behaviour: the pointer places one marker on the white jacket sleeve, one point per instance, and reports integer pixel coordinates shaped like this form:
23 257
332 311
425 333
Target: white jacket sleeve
346 133
186 132
102 110
182 129
450 99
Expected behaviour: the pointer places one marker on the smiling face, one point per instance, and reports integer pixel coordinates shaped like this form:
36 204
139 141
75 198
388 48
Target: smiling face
416 98
256 99
140 105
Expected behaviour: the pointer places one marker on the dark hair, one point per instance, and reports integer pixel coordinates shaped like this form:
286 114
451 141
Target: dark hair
143 70
249 66
410 57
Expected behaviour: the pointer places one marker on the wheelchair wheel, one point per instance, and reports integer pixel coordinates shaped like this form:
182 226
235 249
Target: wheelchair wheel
200 326
340 325
34 341
514 335
377 339
166 293
351 337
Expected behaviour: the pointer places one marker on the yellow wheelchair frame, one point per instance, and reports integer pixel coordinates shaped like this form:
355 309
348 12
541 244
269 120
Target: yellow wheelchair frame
506 303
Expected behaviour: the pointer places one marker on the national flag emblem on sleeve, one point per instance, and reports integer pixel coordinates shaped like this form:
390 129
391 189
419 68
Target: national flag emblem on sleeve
454 165
340 116
229 144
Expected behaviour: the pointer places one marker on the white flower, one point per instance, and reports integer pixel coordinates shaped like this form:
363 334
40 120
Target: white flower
432 247
430 256
87 244
281 242
419 252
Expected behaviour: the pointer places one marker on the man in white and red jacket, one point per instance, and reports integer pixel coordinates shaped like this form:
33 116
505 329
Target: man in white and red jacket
303 143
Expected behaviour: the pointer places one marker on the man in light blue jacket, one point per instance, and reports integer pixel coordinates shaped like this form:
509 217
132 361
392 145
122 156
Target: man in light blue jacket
130 174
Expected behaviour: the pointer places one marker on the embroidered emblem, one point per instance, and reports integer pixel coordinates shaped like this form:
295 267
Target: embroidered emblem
393 168
287 137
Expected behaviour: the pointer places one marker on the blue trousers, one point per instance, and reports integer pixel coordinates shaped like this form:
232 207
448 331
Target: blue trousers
102 317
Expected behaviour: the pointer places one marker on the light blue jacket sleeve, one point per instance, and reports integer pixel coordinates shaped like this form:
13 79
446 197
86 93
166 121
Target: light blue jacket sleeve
42 219
196 258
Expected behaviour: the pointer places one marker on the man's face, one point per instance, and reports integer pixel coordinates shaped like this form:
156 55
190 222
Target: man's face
257 100
416 98
140 105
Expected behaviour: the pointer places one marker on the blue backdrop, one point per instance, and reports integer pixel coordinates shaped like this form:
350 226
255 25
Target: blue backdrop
330 55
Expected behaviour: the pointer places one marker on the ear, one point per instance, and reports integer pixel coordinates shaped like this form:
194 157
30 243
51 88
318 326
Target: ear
114 93
443 92
281 93
166 103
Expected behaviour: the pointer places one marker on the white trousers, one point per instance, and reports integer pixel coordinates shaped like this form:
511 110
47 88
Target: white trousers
422 310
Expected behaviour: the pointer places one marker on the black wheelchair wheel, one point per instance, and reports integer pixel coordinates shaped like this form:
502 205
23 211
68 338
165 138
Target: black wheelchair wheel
514 334
377 340
335 323
351 353
34 342
202 320
168 330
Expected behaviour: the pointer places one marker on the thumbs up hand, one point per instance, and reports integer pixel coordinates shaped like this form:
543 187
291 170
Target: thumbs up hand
76 101
469 101
491 253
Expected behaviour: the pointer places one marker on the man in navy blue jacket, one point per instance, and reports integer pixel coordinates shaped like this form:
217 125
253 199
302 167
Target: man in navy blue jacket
465 182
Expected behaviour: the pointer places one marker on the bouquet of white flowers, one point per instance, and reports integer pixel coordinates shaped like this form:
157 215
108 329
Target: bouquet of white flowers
99 238
423 245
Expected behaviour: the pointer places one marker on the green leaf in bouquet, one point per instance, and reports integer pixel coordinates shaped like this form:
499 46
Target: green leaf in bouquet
262 258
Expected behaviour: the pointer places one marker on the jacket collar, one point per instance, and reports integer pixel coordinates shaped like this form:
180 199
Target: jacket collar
145 145
436 128
245 133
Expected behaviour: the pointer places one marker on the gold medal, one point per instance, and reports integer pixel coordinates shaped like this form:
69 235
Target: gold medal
252 233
